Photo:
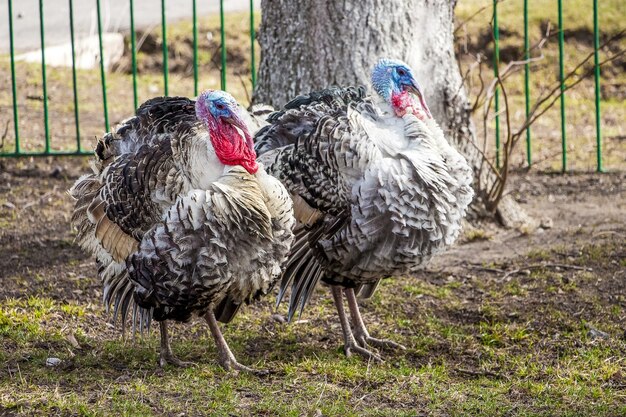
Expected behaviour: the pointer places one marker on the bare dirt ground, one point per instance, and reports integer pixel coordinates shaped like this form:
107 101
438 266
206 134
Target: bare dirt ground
572 210
508 322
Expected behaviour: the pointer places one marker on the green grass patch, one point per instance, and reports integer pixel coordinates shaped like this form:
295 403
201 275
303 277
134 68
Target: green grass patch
518 350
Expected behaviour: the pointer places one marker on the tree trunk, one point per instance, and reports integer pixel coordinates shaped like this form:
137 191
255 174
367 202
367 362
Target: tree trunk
308 45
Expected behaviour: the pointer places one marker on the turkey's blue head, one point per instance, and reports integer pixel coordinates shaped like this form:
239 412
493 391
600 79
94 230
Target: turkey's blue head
229 134
393 80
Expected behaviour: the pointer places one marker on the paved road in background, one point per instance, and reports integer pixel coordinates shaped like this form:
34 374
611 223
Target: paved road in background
115 16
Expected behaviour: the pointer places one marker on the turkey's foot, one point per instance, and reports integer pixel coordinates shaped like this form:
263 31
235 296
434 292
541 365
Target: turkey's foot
350 344
363 339
168 357
226 358
361 334
353 347
231 364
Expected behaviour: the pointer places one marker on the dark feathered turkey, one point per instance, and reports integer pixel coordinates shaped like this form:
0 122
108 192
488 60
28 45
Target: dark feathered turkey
179 221
377 189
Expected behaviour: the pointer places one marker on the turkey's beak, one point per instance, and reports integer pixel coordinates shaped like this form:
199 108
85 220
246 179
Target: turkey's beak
415 89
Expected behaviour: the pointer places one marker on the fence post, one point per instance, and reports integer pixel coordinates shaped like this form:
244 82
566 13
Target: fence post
75 88
102 74
562 77
527 83
43 79
223 47
165 56
195 49
496 70
13 80
596 46
252 37
133 53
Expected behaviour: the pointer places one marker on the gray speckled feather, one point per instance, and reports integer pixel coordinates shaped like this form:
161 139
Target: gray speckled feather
223 243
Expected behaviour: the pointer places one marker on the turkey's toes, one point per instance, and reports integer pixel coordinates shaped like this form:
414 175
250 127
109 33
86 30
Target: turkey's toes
364 341
236 366
168 357
366 354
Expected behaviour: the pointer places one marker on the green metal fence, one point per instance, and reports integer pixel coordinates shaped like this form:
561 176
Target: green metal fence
17 151
47 151
561 41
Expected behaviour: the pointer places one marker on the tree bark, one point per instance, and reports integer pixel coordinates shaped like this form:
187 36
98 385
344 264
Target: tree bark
312 44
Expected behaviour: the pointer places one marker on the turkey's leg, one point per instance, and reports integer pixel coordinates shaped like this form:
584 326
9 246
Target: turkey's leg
350 344
226 357
166 355
361 334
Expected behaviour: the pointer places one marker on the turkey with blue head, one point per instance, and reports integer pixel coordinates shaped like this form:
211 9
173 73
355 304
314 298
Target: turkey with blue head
377 190
181 218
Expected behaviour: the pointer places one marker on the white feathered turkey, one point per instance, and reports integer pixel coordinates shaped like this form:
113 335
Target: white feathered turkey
181 218
377 190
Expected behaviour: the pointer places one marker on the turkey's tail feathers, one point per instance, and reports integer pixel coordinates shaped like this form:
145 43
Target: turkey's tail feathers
298 262
118 293
271 137
305 269
155 117
226 310
335 97
84 191
118 289
365 291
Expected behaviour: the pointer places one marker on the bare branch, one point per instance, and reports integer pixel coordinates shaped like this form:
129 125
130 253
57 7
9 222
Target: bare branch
4 135
245 89
555 92
548 97
482 86
487 160
466 77
469 19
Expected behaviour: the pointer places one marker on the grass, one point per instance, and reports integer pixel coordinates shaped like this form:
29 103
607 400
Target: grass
516 350
577 14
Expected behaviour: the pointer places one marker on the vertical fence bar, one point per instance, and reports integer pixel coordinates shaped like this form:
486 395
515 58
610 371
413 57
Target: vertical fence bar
195 49
496 70
74 84
561 77
102 74
596 46
43 79
165 64
133 53
252 38
13 80
223 46
527 83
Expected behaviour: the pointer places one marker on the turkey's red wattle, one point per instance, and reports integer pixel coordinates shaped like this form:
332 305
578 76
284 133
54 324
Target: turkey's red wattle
404 103
231 148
